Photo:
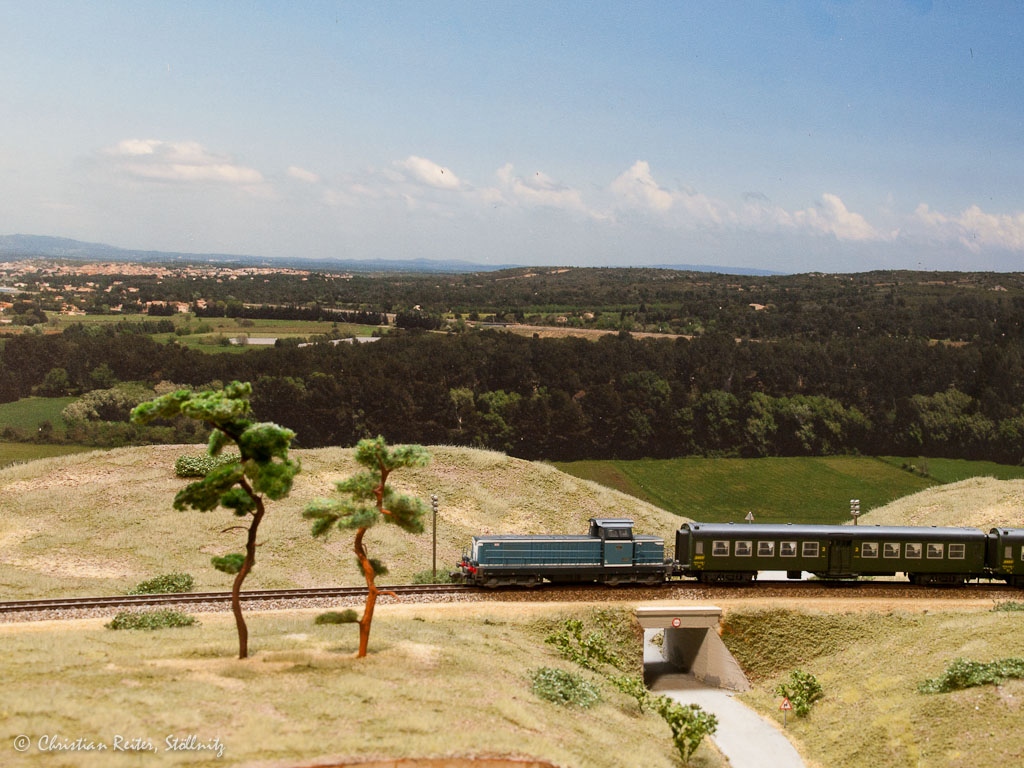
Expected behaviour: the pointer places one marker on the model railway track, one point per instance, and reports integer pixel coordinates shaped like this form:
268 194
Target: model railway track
182 598
555 592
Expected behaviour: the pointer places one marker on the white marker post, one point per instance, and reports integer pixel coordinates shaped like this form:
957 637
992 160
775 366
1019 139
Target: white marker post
750 517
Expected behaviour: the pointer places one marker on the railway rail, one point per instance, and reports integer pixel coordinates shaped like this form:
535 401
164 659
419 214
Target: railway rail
691 590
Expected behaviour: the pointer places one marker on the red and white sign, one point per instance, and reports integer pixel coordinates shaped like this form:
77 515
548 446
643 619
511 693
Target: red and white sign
676 622
785 706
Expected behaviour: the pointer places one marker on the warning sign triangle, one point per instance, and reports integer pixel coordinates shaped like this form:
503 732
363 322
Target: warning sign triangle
785 706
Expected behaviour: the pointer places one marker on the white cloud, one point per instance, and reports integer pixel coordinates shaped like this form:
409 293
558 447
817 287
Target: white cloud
539 189
974 228
832 217
429 172
185 162
637 187
302 174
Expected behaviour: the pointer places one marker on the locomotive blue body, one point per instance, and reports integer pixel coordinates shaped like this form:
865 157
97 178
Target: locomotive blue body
610 554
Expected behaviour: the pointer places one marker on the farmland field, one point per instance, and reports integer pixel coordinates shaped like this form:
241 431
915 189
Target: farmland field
775 490
28 413
14 453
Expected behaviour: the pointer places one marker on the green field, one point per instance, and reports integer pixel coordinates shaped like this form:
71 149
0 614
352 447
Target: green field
954 470
28 413
775 490
14 453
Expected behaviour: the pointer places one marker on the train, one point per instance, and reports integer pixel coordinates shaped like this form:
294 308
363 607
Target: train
730 553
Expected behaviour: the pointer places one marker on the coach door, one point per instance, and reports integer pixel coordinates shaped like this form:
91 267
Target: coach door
840 557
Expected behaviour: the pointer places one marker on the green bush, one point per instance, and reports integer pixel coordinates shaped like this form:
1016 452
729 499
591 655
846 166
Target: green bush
802 690
689 724
161 619
964 673
167 584
201 464
427 577
566 688
336 617
1008 605
229 563
633 686
590 650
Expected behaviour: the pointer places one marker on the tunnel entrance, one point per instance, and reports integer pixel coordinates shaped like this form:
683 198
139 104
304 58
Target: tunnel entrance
691 650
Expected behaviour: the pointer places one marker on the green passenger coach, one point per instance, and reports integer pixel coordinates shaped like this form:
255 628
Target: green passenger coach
715 552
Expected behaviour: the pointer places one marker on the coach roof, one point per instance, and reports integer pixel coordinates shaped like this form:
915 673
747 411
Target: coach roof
862 532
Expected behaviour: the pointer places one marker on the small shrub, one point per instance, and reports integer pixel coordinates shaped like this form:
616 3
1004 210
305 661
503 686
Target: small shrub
964 673
802 690
689 724
336 617
162 619
169 583
590 651
229 563
200 465
1008 605
633 686
566 688
427 577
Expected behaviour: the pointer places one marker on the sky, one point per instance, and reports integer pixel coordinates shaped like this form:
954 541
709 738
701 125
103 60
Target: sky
794 136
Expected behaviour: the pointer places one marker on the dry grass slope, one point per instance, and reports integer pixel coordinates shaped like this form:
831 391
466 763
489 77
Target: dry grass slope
98 523
982 502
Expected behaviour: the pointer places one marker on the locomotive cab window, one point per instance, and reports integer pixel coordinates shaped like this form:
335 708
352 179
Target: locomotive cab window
957 551
869 549
744 548
720 549
766 549
913 551
934 552
787 549
810 549
891 550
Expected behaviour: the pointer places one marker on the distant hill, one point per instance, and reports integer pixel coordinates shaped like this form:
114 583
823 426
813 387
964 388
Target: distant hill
981 502
14 247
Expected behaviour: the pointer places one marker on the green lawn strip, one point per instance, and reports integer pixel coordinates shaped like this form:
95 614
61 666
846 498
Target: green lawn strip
14 453
954 470
430 687
870 666
797 490
28 413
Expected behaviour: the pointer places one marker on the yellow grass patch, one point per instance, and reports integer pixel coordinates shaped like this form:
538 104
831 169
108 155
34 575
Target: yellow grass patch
982 502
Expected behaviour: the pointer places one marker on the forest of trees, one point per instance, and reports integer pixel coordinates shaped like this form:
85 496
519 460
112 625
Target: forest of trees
564 399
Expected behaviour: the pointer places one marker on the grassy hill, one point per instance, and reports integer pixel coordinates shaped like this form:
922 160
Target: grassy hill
983 502
100 522
776 490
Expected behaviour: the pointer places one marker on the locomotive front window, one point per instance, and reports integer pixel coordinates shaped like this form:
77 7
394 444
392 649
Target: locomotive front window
810 549
744 548
913 551
934 552
869 549
957 551
766 549
787 549
891 550
720 549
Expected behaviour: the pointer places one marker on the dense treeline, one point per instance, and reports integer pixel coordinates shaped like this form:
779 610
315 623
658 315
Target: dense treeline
287 312
571 399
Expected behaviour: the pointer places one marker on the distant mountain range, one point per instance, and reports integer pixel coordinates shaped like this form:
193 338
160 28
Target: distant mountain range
15 247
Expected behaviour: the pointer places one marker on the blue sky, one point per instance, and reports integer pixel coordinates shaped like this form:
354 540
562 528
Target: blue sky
792 136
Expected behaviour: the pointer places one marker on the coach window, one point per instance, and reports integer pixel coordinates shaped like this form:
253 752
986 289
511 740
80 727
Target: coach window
787 549
934 552
957 551
869 549
744 548
810 549
913 552
720 549
698 548
891 550
766 549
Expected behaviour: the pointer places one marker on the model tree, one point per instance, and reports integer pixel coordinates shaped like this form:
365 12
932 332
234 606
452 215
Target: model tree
263 470
367 499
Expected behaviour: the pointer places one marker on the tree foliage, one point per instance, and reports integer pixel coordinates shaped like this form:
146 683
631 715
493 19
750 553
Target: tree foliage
262 469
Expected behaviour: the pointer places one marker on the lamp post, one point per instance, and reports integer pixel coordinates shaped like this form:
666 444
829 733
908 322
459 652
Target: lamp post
854 509
433 504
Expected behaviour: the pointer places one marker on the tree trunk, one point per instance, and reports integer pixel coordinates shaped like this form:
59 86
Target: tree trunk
247 564
371 594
